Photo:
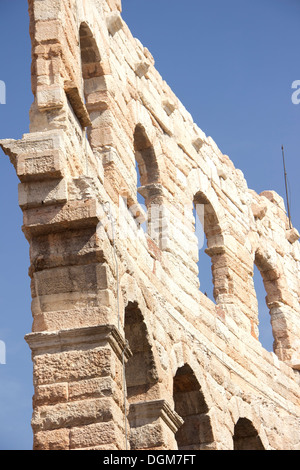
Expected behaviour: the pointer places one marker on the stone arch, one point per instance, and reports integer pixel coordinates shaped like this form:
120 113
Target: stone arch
204 217
147 164
149 179
220 241
246 427
267 262
246 436
90 54
197 181
95 89
130 292
145 157
139 116
212 227
141 370
196 433
215 228
141 376
181 354
135 310
271 271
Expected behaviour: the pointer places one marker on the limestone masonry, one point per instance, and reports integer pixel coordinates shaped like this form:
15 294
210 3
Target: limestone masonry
128 353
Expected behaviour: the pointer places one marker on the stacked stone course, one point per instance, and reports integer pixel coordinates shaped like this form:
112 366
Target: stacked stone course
127 350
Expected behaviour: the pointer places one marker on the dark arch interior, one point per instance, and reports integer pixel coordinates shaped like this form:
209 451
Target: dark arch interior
141 372
90 55
246 436
196 432
145 157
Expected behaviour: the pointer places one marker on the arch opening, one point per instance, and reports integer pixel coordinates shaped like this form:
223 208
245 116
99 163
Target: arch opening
90 108
210 246
145 157
272 324
246 436
189 402
204 263
147 177
141 222
264 319
90 55
140 371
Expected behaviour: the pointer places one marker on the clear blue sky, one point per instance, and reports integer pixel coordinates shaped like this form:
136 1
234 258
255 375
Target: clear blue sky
231 64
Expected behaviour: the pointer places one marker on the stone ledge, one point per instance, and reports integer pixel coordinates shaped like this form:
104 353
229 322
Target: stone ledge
37 156
48 164
67 340
54 218
77 103
42 193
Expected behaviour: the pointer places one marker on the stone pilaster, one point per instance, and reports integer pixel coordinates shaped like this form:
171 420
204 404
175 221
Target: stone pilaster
78 380
153 425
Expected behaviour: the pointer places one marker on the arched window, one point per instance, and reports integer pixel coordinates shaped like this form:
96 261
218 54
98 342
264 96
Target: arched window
246 436
78 93
210 242
204 261
265 329
271 276
92 84
147 175
141 201
196 432
145 157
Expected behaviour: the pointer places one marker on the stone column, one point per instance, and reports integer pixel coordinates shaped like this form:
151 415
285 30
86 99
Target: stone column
78 381
153 425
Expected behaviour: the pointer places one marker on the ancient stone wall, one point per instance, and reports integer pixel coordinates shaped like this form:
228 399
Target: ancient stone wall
127 350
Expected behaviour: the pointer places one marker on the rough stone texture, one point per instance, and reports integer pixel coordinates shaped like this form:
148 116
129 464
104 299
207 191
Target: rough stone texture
112 303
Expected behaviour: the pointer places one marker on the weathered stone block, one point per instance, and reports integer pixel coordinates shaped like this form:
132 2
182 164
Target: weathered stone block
84 278
48 30
50 97
72 366
73 215
75 414
59 439
99 434
50 394
292 235
95 388
43 193
259 211
114 23
40 166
